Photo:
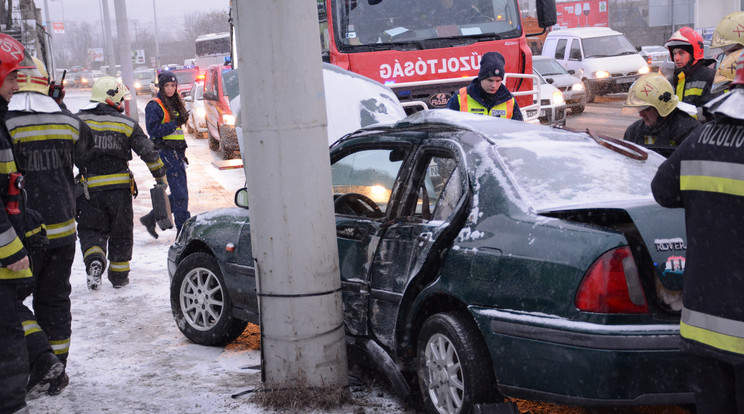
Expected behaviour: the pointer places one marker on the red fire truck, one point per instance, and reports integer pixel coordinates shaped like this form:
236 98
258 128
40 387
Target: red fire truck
427 49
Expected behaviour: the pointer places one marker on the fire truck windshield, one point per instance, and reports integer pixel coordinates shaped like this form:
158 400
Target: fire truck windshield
365 25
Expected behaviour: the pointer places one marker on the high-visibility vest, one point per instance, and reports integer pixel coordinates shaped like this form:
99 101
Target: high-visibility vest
468 104
178 133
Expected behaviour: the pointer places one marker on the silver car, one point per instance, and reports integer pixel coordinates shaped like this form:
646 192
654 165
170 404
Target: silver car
654 56
196 124
572 88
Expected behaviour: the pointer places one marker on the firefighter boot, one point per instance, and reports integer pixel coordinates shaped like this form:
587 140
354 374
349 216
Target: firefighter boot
58 384
149 222
45 368
94 270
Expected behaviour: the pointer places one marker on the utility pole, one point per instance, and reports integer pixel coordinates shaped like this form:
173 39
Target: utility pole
157 37
108 39
293 227
49 49
125 55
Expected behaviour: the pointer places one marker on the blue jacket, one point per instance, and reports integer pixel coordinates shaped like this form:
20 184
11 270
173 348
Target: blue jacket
476 92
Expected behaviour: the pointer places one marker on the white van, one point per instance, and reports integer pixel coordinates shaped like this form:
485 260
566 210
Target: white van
601 57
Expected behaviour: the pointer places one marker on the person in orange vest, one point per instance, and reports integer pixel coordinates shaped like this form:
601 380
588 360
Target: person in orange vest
487 94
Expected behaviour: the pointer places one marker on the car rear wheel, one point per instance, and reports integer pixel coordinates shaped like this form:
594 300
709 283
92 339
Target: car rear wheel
577 109
189 128
214 143
453 365
200 303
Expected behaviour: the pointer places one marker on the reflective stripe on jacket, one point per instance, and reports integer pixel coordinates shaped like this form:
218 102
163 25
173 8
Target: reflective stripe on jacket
468 104
178 133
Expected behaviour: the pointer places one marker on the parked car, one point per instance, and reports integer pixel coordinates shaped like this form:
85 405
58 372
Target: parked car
476 251
654 56
144 80
602 58
572 88
196 124
552 105
221 86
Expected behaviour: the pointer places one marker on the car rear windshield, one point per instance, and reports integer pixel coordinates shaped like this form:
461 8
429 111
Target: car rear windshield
230 85
547 67
566 169
185 77
615 45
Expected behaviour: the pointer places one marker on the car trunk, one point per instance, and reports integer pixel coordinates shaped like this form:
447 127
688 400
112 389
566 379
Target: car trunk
657 239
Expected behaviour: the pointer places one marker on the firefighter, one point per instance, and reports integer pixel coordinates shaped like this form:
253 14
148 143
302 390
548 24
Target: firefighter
46 142
692 78
104 209
729 33
662 126
704 176
486 94
164 116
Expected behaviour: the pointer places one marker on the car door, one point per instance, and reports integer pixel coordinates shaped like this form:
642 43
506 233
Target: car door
407 254
211 92
365 179
575 60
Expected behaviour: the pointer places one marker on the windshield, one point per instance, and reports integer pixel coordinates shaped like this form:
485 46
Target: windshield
569 169
147 75
363 25
605 46
547 67
185 77
655 49
230 83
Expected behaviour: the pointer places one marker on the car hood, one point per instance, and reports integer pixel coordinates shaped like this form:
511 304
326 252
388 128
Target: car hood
563 80
617 64
662 230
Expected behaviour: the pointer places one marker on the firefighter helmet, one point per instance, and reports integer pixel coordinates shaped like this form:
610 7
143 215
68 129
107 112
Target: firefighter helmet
652 89
13 56
687 38
35 79
729 31
727 69
738 81
109 90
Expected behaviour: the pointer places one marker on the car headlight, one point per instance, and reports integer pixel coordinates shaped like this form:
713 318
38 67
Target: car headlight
137 85
84 80
201 112
558 98
600 74
228 119
579 86
644 70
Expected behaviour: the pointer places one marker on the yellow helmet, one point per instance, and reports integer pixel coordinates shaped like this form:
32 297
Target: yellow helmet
651 89
35 79
727 68
729 31
108 90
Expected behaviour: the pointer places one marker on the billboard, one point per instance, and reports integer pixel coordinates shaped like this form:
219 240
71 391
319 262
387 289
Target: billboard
585 13
95 54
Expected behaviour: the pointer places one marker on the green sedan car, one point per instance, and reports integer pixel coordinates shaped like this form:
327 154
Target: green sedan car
479 256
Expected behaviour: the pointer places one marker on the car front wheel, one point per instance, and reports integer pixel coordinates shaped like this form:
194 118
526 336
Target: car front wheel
453 365
200 303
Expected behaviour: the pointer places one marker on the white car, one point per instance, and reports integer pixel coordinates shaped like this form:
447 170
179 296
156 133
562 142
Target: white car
552 105
196 124
572 88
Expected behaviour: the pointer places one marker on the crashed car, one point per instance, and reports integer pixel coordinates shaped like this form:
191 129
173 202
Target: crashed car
479 254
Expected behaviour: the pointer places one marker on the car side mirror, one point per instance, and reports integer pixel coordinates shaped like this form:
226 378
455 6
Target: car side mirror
571 71
210 96
188 99
549 80
241 198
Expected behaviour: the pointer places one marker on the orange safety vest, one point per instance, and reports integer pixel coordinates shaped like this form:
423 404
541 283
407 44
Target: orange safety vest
178 133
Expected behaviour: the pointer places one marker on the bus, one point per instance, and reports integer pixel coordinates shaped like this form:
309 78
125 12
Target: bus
213 48
426 54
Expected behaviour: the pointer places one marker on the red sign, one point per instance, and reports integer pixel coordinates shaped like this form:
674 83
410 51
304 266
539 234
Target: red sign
58 27
586 13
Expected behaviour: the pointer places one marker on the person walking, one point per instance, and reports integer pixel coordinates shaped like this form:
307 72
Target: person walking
104 210
46 142
704 176
692 78
663 126
164 116
486 94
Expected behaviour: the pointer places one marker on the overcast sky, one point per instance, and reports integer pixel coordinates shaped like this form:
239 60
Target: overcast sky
140 10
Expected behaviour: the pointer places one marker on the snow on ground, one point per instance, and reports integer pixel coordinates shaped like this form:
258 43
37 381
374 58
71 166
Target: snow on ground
128 356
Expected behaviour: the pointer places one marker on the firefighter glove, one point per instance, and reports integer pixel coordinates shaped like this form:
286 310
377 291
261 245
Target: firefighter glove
182 118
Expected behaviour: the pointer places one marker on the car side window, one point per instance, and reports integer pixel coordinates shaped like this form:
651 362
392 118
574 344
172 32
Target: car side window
363 181
560 49
575 53
440 189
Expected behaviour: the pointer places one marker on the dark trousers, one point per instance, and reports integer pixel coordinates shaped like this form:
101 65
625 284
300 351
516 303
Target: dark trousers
718 386
105 224
14 366
179 189
52 267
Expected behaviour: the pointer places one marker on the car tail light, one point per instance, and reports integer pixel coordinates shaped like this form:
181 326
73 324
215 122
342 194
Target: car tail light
649 60
612 285
228 119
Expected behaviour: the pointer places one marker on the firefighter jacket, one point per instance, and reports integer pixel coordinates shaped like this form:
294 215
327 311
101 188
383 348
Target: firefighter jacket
669 131
46 142
164 131
114 137
11 246
705 175
692 84
475 100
